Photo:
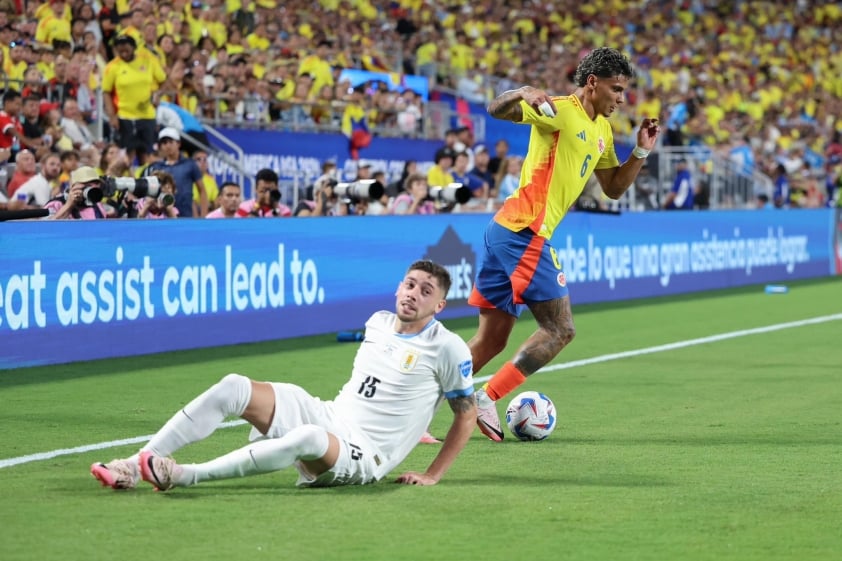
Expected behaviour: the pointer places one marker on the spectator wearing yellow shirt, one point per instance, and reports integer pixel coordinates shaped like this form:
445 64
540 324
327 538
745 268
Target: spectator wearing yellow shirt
214 27
16 65
317 66
439 173
209 181
461 56
131 24
235 46
52 23
649 106
150 42
426 57
45 62
174 25
195 23
281 89
258 39
50 8
129 82
6 36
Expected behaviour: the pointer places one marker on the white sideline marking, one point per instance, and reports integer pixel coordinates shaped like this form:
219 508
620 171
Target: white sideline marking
680 344
9 462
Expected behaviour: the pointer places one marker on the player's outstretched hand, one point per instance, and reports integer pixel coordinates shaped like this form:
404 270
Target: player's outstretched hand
415 478
647 134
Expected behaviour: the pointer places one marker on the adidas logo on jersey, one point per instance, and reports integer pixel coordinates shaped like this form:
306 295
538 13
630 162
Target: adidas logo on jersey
581 136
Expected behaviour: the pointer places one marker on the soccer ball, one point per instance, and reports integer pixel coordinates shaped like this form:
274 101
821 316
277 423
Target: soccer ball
531 416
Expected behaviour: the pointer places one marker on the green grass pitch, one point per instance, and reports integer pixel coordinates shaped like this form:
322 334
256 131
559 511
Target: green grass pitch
728 450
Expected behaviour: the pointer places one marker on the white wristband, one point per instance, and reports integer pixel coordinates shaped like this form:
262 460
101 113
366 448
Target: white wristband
640 153
546 109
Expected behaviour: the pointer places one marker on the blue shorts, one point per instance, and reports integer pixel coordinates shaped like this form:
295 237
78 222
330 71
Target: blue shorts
516 268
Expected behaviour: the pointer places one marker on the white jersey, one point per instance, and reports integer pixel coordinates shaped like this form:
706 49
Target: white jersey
397 383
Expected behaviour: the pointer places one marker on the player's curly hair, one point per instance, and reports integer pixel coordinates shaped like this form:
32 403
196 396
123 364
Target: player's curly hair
440 273
603 62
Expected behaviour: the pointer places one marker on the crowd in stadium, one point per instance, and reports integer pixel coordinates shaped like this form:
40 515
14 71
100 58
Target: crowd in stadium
759 81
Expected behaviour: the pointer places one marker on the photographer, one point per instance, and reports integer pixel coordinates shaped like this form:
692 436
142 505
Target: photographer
327 202
321 199
185 171
81 201
162 205
415 198
267 200
329 173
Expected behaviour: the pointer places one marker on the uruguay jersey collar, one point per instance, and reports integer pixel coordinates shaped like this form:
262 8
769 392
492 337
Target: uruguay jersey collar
411 335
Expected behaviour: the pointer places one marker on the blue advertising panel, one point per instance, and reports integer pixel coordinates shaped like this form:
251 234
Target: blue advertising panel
658 253
81 290
301 155
84 290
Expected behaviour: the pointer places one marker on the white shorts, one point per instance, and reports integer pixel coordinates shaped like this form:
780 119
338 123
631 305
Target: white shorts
358 459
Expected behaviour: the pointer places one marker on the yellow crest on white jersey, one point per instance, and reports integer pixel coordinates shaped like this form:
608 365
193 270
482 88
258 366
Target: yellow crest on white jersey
409 360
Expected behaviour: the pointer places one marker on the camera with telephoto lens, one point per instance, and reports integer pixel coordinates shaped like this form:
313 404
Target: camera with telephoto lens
148 186
360 190
166 199
92 194
274 196
450 194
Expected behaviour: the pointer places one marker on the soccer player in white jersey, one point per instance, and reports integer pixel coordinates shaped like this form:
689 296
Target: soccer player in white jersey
407 362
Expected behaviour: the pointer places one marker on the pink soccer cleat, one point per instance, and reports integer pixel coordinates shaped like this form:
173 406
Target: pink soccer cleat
117 474
488 420
428 438
160 472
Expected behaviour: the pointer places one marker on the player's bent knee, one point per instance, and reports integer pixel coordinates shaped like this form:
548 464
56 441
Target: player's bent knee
233 380
568 332
235 384
311 442
233 393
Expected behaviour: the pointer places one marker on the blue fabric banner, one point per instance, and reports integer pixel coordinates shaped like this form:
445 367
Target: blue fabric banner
396 82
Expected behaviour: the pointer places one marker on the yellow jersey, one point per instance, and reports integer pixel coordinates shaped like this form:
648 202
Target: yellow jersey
132 84
563 153
437 177
211 188
52 27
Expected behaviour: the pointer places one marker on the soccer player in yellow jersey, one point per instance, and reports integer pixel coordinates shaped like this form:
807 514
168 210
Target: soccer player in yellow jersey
570 140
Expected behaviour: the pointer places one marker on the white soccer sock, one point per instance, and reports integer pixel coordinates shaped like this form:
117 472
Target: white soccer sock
198 419
307 442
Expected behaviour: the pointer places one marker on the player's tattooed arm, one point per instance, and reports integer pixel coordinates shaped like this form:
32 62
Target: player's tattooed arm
462 404
506 106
